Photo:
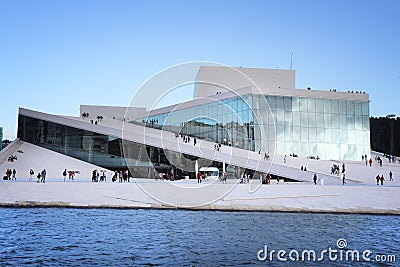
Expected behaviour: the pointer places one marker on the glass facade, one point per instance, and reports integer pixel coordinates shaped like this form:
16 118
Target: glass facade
318 127
327 128
229 120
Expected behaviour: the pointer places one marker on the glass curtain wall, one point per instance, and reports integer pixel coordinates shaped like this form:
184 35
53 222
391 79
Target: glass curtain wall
313 127
307 127
229 121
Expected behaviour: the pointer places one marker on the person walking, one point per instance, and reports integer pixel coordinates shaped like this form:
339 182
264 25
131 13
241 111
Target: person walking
127 176
64 174
199 175
31 172
44 176
344 178
315 179
390 176
382 179
370 162
94 174
284 159
14 172
377 179
70 175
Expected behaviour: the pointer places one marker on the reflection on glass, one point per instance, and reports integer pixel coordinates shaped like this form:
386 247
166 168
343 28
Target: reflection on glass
328 127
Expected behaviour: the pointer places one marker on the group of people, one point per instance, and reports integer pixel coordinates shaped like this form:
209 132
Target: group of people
121 176
10 175
85 115
217 147
392 159
12 158
266 179
378 160
71 175
381 178
186 139
245 178
99 176
41 176
335 169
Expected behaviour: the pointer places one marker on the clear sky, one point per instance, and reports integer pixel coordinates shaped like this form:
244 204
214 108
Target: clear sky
56 55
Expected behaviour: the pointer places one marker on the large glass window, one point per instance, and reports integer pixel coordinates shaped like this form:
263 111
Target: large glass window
327 126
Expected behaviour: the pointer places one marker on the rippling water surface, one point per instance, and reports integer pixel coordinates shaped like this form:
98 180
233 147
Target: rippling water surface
112 237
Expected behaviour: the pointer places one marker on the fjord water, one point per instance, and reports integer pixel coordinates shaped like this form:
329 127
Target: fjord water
114 237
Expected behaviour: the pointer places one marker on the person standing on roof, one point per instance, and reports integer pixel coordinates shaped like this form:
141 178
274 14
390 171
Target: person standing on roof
31 172
44 176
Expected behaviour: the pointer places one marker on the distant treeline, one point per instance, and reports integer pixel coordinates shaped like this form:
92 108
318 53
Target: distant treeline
385 134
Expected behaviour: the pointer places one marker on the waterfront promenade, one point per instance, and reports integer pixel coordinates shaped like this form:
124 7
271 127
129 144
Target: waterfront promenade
187 194
359 195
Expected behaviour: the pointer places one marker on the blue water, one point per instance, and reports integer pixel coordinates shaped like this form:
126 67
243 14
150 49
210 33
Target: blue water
112 237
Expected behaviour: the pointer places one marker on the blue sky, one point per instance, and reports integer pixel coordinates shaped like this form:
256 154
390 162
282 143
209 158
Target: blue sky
56 55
